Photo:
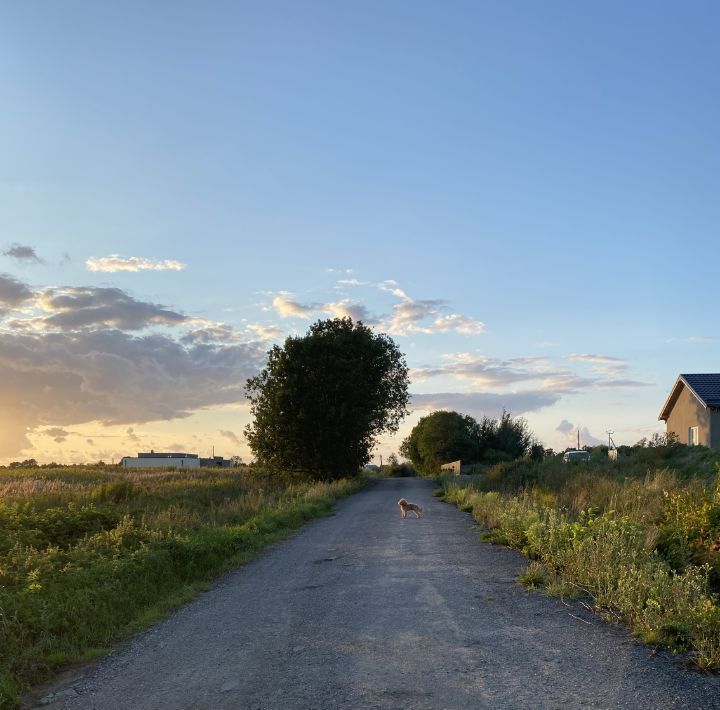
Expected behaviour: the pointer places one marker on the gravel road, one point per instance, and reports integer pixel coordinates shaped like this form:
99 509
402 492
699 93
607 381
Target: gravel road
367 610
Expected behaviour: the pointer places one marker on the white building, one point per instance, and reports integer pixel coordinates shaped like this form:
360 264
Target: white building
161 460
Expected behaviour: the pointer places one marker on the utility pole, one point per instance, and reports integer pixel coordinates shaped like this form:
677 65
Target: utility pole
610 441
578 446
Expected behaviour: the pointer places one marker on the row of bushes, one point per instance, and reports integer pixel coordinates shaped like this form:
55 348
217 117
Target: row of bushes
646 549
93 561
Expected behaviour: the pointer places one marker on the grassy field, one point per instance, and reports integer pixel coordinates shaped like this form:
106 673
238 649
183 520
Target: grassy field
89 555
641 537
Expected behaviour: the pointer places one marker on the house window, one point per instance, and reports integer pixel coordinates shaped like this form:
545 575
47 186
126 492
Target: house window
693 436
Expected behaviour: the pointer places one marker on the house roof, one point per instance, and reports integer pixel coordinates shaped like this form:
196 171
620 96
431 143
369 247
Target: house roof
705 387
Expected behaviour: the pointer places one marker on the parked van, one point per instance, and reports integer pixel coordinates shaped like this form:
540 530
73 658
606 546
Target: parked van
576 456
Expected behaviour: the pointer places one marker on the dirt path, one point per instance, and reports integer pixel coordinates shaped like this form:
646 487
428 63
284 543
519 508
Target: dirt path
367 610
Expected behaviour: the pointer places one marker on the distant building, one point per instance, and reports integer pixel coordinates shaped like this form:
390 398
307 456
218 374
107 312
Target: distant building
216 462
576 455
692 410
452 467
161 460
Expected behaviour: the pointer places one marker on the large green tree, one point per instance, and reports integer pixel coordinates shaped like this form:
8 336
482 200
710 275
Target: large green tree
439 438
323 398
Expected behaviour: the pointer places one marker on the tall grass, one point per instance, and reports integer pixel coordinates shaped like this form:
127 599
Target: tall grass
645 545
89 555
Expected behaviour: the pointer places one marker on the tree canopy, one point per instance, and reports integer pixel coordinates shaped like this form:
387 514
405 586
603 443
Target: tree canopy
443 436
439 438
323 398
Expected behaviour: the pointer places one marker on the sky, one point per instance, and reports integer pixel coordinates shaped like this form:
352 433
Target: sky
524 195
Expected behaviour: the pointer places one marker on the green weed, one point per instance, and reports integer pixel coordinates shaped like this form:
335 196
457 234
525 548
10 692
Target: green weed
645 547
533 576
93 556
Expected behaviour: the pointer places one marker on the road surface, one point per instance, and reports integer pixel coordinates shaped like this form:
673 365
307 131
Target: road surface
368 610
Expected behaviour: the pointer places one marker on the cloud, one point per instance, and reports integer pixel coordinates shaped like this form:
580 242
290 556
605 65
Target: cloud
265 332
486 373
211 332
480 404
570 435
13 293
349 309
412 316
601 364
693 339
231 436
459 324
387 285
601 359
410 313
22 253
115 262
61 379
58 434
74 308
613 383
565 427
286 307
130 435
408 316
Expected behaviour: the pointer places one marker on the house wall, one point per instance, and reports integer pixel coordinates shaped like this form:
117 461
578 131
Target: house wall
689 412
715 428
161 463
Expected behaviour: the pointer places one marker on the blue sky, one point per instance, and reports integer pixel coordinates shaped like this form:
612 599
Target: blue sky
523 194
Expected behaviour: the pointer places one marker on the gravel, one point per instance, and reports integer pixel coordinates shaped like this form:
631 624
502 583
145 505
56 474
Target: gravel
369 610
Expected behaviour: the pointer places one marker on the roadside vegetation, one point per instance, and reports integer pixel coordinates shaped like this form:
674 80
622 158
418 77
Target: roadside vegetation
640 537
88 555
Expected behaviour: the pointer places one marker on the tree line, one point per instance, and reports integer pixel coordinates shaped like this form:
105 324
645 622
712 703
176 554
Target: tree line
442 437
324 398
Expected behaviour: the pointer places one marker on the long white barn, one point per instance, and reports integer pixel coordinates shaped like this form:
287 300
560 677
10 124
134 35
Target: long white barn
161 460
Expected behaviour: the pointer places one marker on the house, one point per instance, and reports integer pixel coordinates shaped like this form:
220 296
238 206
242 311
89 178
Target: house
692 410
161 460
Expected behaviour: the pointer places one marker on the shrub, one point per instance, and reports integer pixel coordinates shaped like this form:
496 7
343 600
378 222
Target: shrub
401 470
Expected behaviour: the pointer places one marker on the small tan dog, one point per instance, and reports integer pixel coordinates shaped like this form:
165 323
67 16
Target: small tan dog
405 507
